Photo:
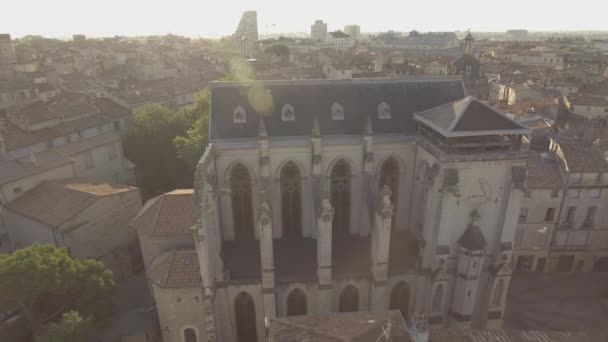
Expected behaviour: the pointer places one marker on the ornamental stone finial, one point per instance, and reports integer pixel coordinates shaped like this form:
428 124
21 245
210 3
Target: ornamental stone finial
385 207
327 211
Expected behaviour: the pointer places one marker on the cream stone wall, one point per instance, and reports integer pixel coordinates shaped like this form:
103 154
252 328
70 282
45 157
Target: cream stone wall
104 168
178 309
7 190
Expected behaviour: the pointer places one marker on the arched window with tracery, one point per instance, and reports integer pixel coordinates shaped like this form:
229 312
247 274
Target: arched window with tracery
389 175
437 298
400 299
291 200
340 197
498 291
242 212
190 335
349 299
244 312
296 303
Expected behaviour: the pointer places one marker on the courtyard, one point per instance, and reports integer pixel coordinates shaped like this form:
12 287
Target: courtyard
571 302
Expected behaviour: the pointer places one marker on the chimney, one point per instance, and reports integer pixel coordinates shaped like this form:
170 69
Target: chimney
33 158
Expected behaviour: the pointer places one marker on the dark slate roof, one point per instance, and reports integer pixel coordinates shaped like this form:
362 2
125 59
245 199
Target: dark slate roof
359 98
472 239
468 117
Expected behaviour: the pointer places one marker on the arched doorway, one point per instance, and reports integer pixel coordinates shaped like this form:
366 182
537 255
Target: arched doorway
242 212
296 303
340 197
244 312
349 299
190 335
400 299
389 176
291 200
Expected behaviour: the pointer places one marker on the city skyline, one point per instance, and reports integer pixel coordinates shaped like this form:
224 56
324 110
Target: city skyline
195 19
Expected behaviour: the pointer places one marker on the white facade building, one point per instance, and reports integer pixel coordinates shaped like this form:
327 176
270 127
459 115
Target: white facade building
318 31
317 197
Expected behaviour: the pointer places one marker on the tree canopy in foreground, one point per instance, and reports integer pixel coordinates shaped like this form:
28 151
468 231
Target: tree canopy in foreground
44 281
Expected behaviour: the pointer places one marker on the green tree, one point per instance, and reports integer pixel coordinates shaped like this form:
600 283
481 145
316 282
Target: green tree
191 145
278 49
43 281
71 328
149 144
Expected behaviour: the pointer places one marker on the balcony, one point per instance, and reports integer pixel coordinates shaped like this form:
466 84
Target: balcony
242 260
351 257
295 259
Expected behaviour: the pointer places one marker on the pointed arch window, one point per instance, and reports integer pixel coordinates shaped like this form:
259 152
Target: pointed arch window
288 113
190 335
349 299
340 197
389 175
438 299
239 115
291 200
337 111
244 311
498 291
296 303
400 299
242 212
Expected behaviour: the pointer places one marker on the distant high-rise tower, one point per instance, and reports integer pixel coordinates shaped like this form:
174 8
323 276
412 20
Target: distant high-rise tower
354 31
248 27
318 31
7 51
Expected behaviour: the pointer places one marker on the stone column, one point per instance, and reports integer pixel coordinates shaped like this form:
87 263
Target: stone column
267 259
324 242
381 237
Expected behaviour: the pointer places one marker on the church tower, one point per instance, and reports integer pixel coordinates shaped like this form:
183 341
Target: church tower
468 44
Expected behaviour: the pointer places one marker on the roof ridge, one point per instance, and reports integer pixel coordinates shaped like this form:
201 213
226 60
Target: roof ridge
149 204
160 206
468 100
169 269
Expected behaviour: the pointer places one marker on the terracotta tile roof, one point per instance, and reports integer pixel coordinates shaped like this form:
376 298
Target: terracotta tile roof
543 172
88 143
170 214
12 170
582 157
368 327
176 269
351 326
589 101
461 335
54 203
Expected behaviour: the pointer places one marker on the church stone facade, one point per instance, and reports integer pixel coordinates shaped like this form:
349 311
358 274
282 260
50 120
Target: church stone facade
317 196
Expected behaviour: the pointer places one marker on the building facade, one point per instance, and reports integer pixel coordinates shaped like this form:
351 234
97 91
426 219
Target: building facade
318 31
378 194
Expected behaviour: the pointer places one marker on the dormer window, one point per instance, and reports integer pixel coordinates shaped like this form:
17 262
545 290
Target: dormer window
288 113
239 116
337 112
384 111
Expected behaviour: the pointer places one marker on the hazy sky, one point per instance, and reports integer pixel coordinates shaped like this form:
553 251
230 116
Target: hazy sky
62 18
